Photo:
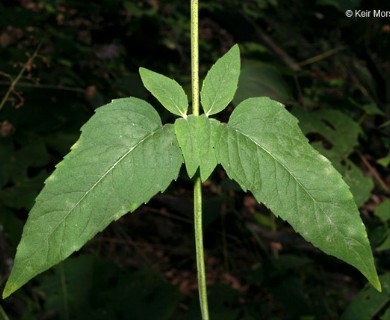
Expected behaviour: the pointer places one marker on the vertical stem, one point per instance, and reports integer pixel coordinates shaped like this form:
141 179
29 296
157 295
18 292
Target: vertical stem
195 57
202 286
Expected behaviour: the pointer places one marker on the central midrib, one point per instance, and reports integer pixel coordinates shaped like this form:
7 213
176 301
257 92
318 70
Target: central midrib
294 177
103 176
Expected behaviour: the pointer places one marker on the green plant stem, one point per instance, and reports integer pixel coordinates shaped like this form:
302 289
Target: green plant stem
19 76
202 285
195 57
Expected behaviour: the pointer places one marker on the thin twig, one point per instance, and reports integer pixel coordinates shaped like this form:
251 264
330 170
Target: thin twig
321 56
374 173
289 61
361 87
19 76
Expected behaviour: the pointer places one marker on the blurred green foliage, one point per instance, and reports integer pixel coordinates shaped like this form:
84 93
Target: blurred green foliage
331 71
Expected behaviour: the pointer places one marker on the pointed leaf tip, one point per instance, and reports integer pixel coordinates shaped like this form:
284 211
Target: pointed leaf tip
263 149
377 284
8 290
166 90
221 81
124 157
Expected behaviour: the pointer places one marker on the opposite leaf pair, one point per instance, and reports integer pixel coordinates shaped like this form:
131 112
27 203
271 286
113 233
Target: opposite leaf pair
217 92
125 156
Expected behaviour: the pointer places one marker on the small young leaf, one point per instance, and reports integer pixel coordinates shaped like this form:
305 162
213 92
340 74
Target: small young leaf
197 138
166 90
263 149
221 81
123 157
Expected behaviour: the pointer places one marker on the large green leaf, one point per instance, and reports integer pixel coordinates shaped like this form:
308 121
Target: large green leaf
341 134
123 158
360 185
220 84
22 194
263 149
166 90
197 138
